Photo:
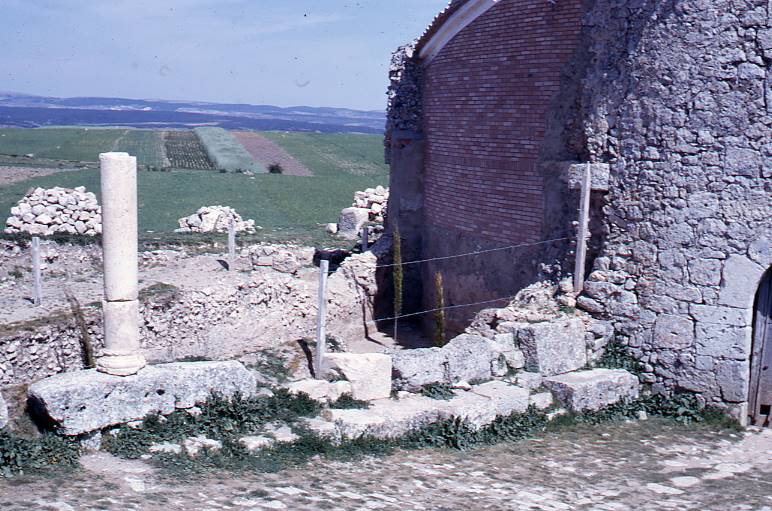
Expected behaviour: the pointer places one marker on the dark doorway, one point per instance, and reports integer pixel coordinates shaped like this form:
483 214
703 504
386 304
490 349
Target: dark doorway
760 399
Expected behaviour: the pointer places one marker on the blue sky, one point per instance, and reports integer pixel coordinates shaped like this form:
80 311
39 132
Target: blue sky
291 52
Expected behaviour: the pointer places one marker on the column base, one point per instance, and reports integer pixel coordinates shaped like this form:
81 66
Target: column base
120 365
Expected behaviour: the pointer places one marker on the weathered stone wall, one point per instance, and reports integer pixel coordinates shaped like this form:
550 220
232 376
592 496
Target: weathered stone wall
271 306
677 100
675 97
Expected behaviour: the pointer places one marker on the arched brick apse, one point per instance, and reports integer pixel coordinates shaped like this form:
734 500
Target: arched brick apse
488 84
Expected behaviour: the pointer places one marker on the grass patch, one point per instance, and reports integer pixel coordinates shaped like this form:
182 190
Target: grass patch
220 419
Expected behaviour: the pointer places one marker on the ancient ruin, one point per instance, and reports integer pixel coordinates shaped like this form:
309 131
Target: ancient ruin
498 104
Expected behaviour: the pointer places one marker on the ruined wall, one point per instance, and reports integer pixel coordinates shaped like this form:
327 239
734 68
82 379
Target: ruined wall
677 99
486 99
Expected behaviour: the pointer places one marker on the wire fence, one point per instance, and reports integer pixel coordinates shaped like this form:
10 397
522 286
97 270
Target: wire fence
478 252
455 256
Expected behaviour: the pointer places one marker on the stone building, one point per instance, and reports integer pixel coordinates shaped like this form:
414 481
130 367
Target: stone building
498 102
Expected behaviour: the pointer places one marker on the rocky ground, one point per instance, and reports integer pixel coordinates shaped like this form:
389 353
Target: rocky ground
636 465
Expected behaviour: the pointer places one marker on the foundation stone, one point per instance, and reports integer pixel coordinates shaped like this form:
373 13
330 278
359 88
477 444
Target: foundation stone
84 401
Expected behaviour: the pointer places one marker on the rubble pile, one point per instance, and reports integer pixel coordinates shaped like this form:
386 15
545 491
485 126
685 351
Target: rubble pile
44 212
215 219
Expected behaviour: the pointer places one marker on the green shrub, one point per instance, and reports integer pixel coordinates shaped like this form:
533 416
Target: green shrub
275 168
19 455
347 401
441 391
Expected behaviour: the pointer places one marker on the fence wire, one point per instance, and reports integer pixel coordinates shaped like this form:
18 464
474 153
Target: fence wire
441 309
467 254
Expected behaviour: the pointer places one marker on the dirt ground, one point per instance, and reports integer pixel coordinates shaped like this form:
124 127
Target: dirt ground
650 465
266 152
10 175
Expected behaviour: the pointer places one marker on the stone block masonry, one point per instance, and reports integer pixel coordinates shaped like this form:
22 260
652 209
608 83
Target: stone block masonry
681 217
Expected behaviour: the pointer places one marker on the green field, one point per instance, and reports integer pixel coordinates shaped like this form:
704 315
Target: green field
287 207
83 144
225 151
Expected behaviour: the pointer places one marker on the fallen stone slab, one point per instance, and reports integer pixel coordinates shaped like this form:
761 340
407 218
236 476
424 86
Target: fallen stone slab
592 390
84 401
553 347
368 373
3 413
166 448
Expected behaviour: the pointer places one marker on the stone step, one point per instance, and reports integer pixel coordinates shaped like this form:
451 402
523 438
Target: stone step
593 389
392 418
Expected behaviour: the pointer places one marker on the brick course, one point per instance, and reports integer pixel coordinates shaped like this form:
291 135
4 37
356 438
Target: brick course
486 97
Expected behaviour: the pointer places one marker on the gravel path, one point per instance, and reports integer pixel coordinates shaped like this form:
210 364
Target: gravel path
651 465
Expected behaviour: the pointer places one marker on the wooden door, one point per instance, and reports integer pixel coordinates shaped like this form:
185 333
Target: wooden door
760 399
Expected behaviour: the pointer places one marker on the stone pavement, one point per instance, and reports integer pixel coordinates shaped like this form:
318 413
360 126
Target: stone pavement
646 465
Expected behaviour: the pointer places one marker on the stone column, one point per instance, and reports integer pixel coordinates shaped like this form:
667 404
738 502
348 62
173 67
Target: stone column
120 307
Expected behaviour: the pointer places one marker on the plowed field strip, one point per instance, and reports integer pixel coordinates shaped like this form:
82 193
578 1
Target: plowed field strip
266 152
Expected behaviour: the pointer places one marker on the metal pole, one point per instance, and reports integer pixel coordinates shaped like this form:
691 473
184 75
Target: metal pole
321 318
365 240
231 244
37 284
584 222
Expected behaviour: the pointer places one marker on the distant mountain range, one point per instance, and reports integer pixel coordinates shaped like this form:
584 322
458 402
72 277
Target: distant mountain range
26 111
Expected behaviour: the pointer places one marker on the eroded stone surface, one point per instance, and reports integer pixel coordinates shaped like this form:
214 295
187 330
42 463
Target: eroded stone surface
592 390
369 374
320 390
84 401
3 412
554 347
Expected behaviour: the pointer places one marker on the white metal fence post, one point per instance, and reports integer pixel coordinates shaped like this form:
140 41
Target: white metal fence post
231 244
581 239
321 318
37 284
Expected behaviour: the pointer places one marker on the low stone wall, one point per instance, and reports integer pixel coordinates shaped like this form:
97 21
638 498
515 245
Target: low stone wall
45 212
275 305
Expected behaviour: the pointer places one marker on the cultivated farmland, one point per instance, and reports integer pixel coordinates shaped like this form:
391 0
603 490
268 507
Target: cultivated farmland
82 145
226 152
289 208
266 153
184 151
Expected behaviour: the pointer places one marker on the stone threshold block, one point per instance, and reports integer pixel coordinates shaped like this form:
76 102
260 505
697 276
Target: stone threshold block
83 401
389 418
592 390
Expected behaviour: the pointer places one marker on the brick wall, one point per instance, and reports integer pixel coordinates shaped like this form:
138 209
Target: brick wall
486 96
